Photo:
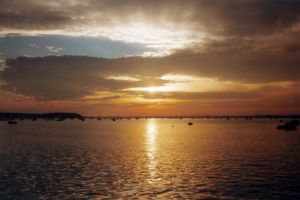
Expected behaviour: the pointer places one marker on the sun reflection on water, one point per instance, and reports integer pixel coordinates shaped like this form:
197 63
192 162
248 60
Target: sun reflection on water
151 149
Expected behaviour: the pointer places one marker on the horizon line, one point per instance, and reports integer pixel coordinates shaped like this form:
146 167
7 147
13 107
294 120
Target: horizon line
297 115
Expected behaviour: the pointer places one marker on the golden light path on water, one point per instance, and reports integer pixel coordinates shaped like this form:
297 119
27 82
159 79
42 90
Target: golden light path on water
151 148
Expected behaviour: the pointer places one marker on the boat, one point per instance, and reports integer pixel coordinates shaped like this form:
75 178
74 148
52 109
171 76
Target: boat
12 122
289 126
190 123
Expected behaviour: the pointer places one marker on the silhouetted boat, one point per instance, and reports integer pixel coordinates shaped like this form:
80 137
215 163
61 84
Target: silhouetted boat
190 123
12 122
289 126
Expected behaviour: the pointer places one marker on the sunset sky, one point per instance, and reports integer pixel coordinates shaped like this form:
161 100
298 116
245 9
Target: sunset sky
159 57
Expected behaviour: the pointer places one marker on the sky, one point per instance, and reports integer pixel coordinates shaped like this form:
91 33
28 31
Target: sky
159 57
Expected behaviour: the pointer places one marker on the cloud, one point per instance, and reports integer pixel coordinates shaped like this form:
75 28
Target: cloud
61 78
196 96
32 15
255 41
69 77
174 25
240 17
53 49
2 65
122 78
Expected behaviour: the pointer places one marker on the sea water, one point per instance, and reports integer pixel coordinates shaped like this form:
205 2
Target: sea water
149 159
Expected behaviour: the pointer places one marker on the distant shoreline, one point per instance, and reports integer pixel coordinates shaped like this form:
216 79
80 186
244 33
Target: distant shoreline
294 116
6 116
64 115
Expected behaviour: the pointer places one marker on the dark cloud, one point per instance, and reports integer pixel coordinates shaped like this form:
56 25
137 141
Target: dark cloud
242 60
62 78
67 77
32 15
235 18
248 18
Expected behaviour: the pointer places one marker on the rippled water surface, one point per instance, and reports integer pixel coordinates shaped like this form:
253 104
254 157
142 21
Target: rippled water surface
149 159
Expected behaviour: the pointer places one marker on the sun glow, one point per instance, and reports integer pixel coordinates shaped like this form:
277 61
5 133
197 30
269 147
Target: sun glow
153 36
184 83
159 37
163 88
122 78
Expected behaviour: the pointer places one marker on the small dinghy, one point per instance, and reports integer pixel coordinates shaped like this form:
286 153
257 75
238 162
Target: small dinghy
12 122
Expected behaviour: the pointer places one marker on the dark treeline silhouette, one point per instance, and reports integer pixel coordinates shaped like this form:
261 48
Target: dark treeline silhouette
5 116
